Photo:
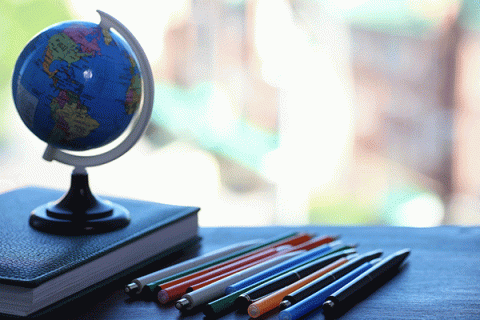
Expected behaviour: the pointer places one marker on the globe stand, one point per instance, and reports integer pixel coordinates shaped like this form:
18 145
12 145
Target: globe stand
79 212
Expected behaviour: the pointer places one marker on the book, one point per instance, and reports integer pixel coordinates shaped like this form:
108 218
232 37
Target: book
38 270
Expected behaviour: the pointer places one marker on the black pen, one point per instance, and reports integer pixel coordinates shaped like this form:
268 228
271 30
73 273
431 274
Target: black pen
328 278
356 290
290 277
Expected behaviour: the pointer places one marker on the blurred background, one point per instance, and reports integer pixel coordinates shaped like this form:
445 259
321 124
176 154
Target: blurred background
283 111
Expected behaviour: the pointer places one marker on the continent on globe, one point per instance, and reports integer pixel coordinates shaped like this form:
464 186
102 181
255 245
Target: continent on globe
71 118
62 48
107 36
134 92
86 38
77 85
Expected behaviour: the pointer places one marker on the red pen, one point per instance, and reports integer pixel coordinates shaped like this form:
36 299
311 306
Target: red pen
292 241
172 292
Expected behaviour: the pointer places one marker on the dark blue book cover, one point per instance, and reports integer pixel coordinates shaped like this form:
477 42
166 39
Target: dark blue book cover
38 269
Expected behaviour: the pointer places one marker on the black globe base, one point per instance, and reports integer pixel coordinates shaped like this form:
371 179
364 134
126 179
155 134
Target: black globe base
79 212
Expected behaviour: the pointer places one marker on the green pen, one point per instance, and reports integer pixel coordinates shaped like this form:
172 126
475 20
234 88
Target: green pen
227 303
152 287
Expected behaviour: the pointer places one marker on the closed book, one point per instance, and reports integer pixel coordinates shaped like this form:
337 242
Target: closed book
38 270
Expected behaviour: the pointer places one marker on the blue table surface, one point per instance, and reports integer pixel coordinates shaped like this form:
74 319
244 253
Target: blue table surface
441 279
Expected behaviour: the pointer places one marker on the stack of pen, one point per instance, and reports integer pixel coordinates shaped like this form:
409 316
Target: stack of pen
294 274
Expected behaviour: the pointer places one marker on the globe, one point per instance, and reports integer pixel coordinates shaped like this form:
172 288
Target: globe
77 85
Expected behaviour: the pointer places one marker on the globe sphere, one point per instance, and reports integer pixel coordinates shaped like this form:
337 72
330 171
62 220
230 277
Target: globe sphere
77 85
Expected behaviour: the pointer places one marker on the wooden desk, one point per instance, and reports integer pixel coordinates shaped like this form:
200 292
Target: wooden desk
441 280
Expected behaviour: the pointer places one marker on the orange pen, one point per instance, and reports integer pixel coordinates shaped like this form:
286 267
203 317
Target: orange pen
273 300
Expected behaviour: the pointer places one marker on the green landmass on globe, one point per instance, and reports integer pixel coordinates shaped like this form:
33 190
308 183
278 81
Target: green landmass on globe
77 86
71 118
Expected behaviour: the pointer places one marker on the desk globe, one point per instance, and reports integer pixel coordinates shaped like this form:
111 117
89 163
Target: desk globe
78 86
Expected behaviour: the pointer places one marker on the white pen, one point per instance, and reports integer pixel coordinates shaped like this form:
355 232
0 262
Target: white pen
217 289
136 286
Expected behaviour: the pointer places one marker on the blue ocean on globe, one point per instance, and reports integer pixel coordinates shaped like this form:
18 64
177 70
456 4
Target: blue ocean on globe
77 85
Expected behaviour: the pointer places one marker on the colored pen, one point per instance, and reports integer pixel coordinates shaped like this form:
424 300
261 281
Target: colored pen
176 288
136 285
314 242
328 278
306 256
286 239
217 289
228 265
273 300
255 255
290 277
316 300
344 298
204 282
227 303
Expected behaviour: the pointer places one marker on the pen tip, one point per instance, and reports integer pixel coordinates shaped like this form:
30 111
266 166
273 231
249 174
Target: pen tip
131 288
285 304
253 311
182 303
328 304
375 253
163 296
328 307
403 254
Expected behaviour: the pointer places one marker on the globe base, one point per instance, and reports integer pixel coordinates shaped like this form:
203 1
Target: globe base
79 212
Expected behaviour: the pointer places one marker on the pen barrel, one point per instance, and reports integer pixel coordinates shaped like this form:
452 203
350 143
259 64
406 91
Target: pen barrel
355 285
289 238
390 263
296 261
370 277
267 288
346 297
290 277
309 289
233 301
317 264
191 263
315 300
362 286
314 243
222 268
175 291
229 302
273 300
330 277
217 289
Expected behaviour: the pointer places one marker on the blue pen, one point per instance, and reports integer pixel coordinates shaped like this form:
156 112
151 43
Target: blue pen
306 256
317 299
